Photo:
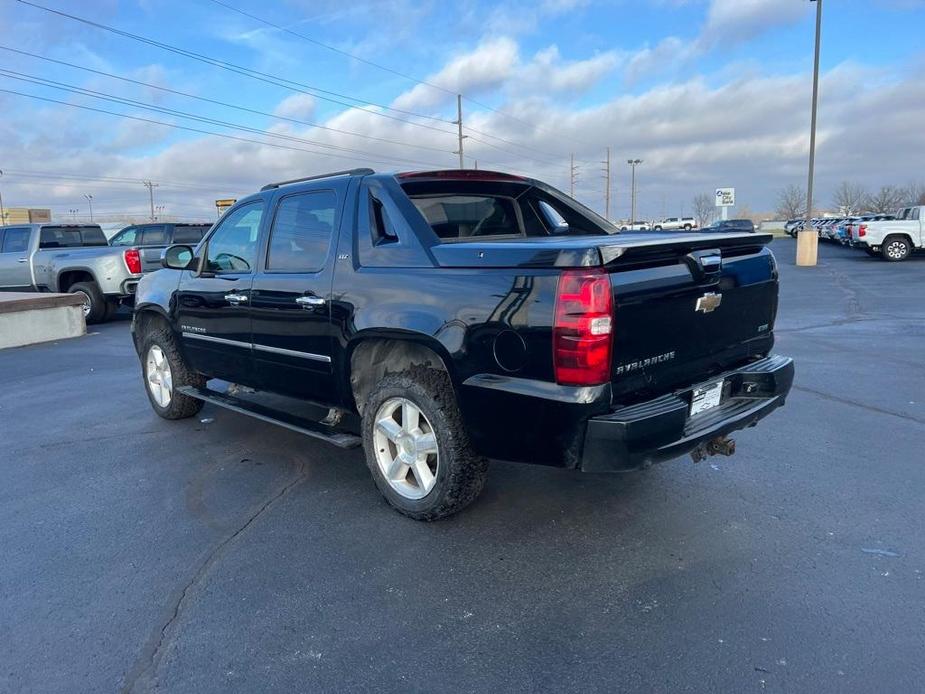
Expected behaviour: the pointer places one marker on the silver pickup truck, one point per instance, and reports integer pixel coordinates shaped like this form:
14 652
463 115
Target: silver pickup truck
73 258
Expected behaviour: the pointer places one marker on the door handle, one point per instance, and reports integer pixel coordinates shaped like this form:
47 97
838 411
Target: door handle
236 299
22 260
309 301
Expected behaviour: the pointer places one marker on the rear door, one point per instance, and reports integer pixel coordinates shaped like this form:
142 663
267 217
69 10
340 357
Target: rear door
290 298
213 305
14 258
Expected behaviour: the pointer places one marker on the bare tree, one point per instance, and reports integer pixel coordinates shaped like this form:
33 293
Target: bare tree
791 202
887 199
914 194
849 198
704 209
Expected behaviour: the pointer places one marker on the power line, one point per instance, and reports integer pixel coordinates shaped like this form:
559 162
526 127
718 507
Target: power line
221 103
333 48
257 75
187 128
41 81
113 179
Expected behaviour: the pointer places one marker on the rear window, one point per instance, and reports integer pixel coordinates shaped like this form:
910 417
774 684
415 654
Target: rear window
465 216
189 233
71 237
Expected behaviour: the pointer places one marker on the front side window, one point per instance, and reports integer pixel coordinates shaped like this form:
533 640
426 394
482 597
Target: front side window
465 216
126 237
233 245
302 230
15 240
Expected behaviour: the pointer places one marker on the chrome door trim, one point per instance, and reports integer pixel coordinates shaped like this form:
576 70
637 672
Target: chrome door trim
217 340
293 353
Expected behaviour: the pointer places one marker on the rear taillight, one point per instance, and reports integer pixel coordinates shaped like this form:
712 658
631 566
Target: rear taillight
132 260
583 325
862 230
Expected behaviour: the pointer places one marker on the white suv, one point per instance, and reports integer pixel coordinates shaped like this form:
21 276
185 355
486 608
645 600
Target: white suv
675 223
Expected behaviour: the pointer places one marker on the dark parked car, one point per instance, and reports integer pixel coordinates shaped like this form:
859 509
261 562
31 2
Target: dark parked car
731 225
151 239
443 318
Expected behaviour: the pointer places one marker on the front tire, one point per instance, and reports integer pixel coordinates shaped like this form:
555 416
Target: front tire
896 249
163 371
417 447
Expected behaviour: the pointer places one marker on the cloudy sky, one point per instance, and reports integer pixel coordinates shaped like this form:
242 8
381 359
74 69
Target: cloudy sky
213 98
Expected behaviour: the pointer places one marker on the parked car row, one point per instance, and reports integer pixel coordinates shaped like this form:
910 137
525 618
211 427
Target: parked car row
77 259
892 237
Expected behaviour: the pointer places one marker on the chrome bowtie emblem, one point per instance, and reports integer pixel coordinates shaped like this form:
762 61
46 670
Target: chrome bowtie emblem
709 302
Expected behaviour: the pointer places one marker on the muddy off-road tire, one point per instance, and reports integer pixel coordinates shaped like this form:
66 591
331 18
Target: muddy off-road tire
163 371
417 448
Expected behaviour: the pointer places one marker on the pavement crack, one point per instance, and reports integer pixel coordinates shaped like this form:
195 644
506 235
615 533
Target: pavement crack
864 406
142 676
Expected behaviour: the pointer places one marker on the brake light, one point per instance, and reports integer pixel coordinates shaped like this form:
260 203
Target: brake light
862 230
132 260
582 330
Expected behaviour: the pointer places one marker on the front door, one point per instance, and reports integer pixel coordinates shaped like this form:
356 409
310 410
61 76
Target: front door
290 298
14 258
213 305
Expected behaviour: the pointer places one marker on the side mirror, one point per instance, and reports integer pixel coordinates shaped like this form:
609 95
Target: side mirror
177 257
561 228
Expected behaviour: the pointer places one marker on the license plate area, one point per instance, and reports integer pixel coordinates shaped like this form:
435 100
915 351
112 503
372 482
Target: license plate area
706 397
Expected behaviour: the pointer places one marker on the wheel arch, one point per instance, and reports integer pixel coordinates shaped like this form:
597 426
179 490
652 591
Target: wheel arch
65 279
373 354
144 317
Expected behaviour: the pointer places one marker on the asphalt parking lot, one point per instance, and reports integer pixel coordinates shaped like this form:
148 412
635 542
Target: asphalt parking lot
222 554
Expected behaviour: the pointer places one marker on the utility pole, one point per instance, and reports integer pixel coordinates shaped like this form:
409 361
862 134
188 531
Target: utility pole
150 186
90 203
572 175
460 136
2 213
807 238
633 163
606 164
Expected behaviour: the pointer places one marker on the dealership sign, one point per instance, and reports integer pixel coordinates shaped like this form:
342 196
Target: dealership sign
725 197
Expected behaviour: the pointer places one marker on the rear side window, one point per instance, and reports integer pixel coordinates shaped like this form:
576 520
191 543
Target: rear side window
15 240
126 237
302 230
189 234
466 216
154 235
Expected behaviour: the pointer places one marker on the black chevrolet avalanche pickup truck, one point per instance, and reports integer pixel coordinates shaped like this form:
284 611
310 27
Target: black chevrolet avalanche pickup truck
445 318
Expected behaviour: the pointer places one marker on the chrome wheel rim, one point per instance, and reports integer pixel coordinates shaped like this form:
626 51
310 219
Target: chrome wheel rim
87 305
406 448
158 376
897 249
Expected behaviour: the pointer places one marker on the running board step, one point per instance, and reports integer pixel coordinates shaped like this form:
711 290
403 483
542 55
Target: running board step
267 414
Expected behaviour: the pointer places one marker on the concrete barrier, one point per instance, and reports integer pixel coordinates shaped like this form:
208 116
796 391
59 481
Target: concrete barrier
28 318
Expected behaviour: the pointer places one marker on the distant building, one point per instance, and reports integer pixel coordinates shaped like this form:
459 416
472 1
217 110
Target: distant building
26 215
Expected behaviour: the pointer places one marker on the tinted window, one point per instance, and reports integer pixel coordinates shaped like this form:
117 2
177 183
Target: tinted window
464 216
69 237
302 231
189 233
233 245
154 235
15 240
126 237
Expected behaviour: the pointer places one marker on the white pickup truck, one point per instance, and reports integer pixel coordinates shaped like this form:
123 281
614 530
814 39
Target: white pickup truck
675 224
893 239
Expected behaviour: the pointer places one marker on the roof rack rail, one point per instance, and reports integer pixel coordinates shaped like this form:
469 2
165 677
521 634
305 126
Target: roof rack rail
348 172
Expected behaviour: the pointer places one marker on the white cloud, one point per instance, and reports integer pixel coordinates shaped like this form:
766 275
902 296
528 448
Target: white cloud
739 20
299 106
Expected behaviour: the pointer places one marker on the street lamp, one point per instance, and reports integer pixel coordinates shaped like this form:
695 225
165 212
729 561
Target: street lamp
633 163
90 203
808 238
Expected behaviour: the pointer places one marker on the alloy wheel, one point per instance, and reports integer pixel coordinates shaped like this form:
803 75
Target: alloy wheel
406 448
896 250
159 376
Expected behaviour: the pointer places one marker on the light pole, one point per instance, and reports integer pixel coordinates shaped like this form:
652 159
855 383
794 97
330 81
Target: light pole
2 213
808 239
633 163
90 203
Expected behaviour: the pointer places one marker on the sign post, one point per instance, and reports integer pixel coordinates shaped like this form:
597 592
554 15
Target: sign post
725 198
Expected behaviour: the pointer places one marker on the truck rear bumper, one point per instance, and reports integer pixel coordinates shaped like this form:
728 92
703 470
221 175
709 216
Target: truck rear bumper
661 429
